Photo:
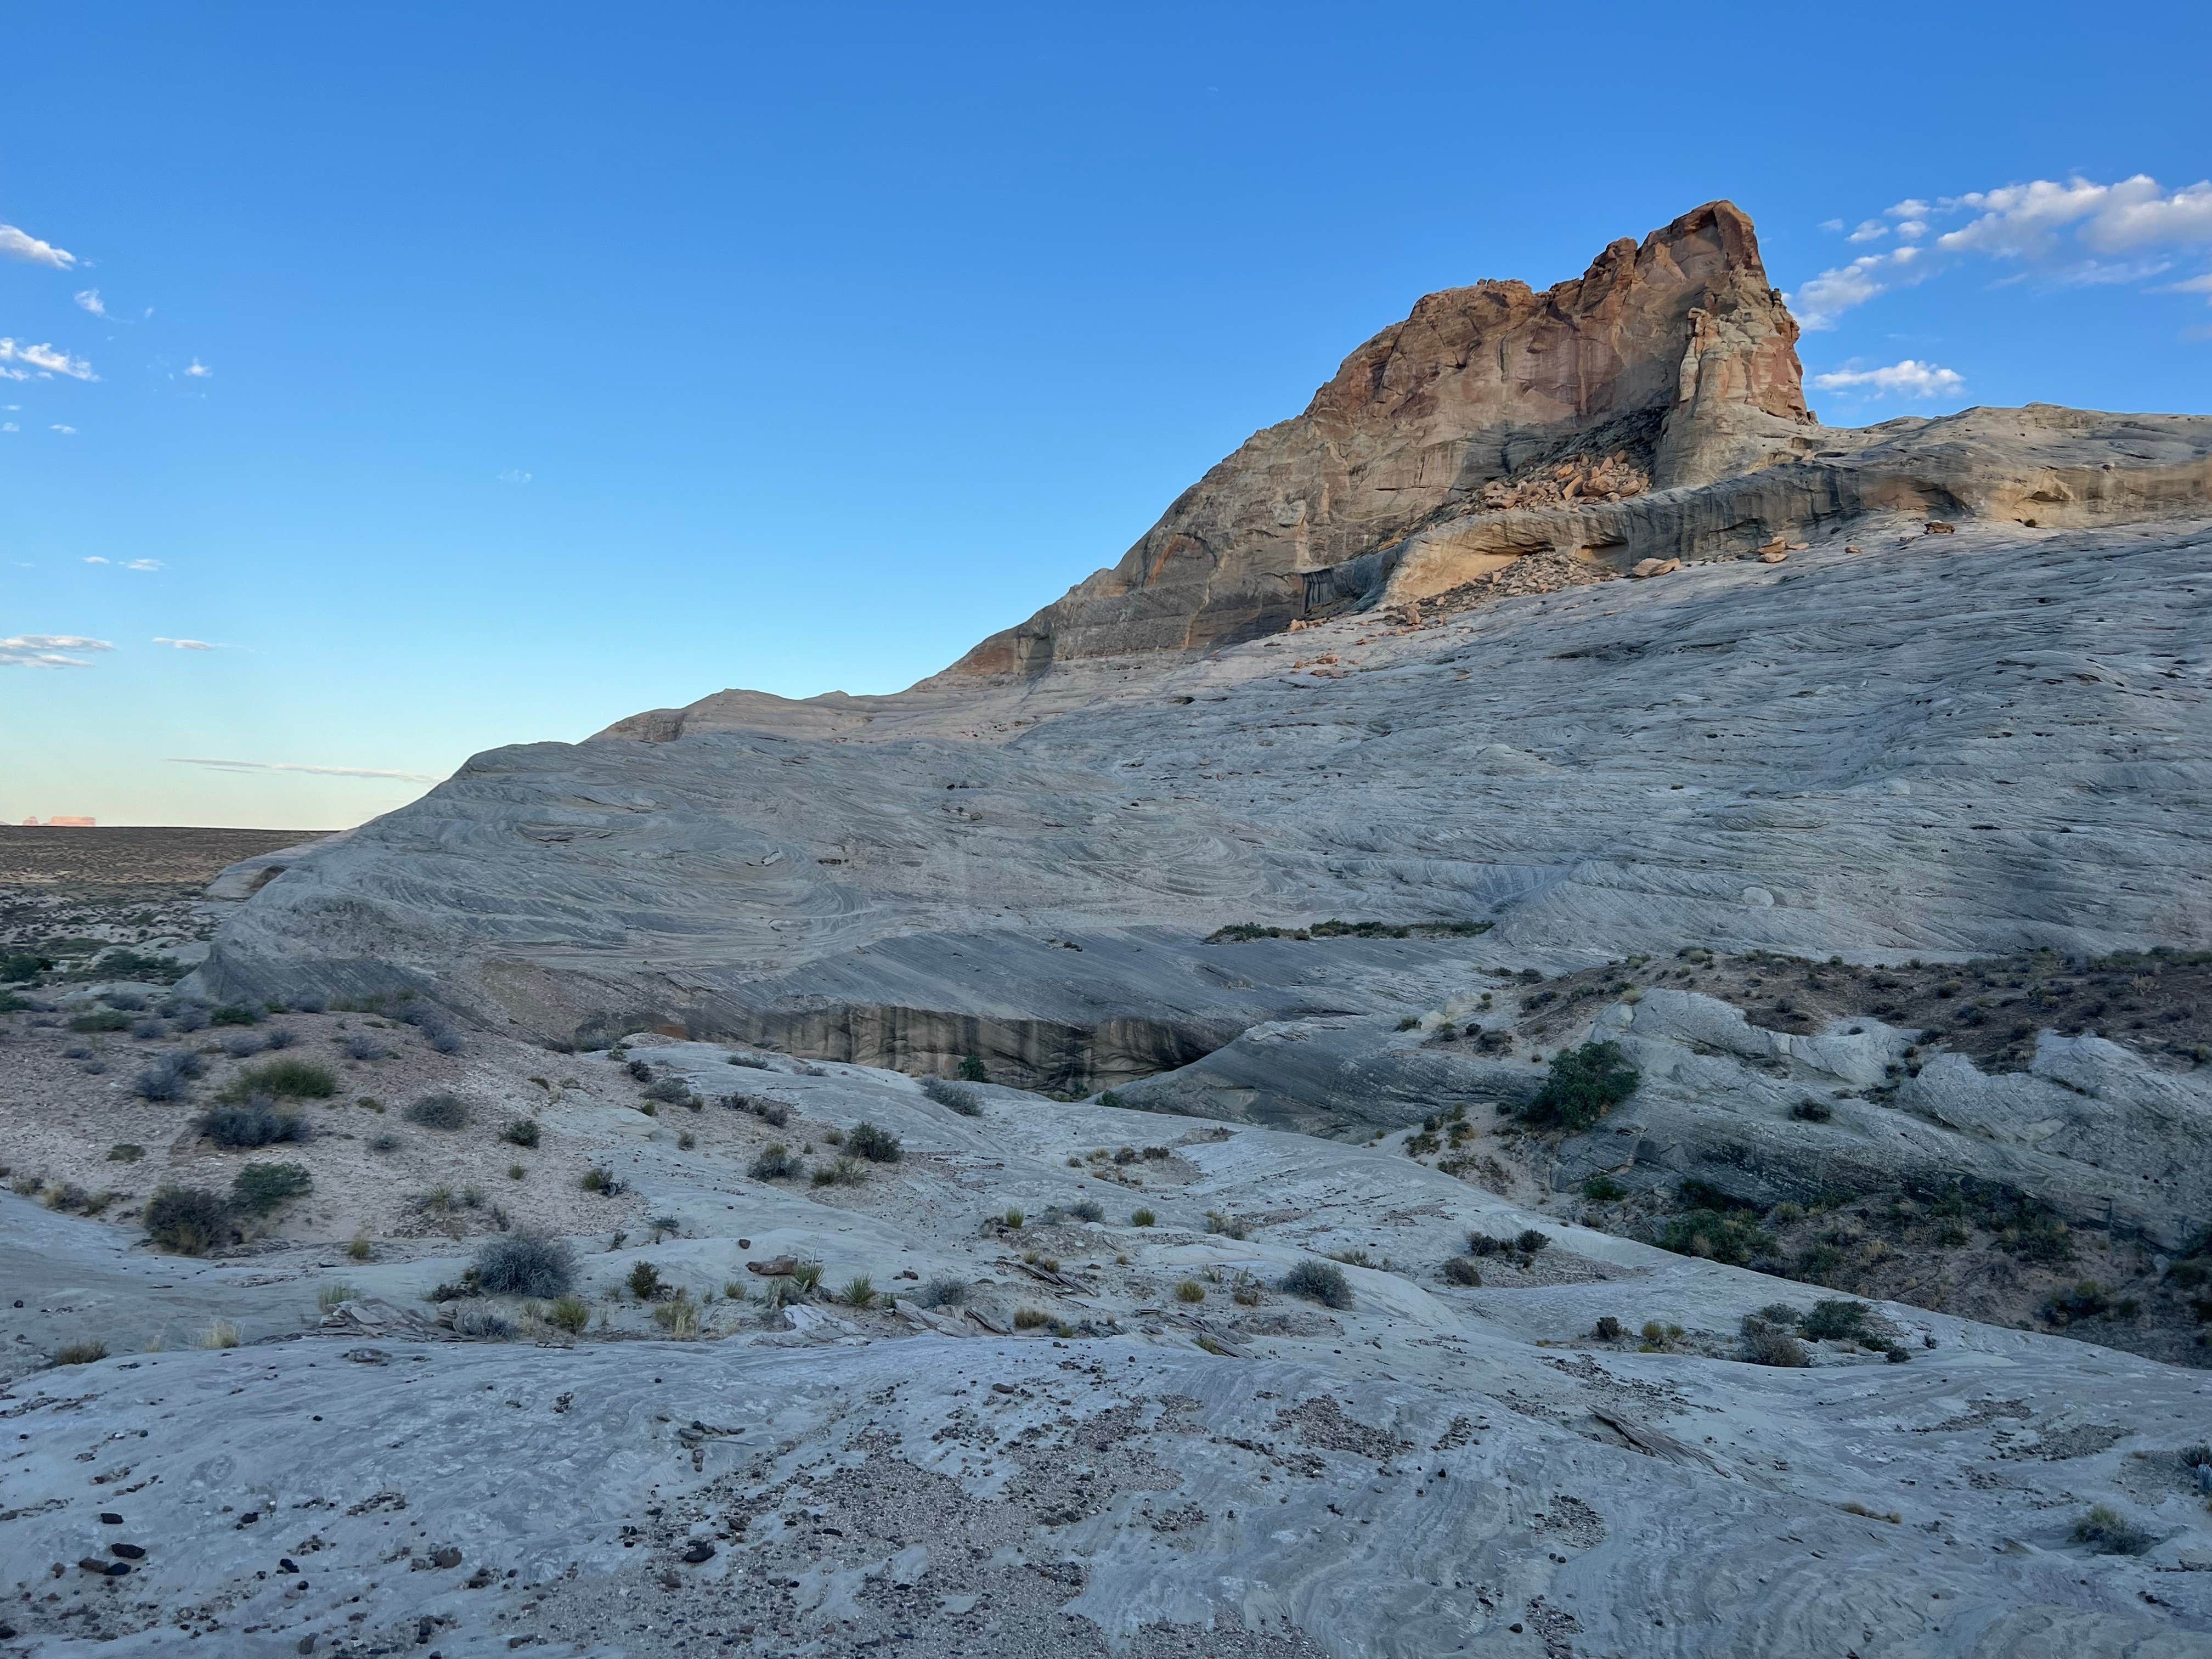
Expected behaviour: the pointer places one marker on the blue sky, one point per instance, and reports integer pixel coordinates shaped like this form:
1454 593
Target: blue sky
555 363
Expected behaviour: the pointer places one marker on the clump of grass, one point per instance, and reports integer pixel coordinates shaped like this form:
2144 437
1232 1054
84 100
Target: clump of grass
526 1264
645 1281
1087 1210
953 1097
776 1163
187 1220
845 1172
807 1275
2109 1533
221 1334
1013 1218
100 1019
445 1113
1190 1290
289 1078
1141 1218
263 1188
1028 1319
568 1312
1318 1281
1583 1085
359 1045
80 1353
602 1182
125 1151
169 1078
235 1013
329 1296
860 1292
360 1248
523 1132
482 1324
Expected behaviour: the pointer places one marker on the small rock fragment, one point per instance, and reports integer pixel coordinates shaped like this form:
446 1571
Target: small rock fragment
700 1550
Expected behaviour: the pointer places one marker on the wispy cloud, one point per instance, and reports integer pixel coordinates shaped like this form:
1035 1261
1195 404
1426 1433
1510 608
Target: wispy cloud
199 371
1909 379
90 300
66 431
142 564
22 245
2072 232
10 426
94 558
286 766
186 645
514 475
42 359
48 650
2194 285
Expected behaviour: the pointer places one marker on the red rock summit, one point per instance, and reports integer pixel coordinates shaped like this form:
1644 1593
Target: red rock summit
1668 364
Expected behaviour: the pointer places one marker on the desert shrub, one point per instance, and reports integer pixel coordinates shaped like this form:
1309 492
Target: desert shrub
125 1151
1812 1111
65 1195
1730 1236
483 1324
645 1281
442 1112
1771 1345
752 1062
568 1312
279 1037
860 1292
2105 1529
1087 1210
255 1123
1141 1218
1835 1319
775 1162
100 1019
972 1070
79 1353
169 1078
328 1296
670 1091
1462 1271
1607 1328
289 1079
679 1317
1529 1241
526 1264
221 1334
521 1132
187 1220
953 1097
600 1181
1486 1244
260 1188
1190 1290
1028 1319
1583 1085
243 1045
147 1029
185 1016
235 1013
1228 1226
359 1249
943 1290
2084 1301
16 966
359 1045
437 1030
386 1142
1318 1281
877 1146
1603 1190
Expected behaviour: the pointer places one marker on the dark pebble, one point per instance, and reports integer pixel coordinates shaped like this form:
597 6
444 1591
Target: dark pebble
701 1550
128 1551
109 1518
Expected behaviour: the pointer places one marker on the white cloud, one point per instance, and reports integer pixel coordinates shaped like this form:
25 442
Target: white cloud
48 650
10 426
22 245
1909 379
142 564
199 371
2067 233
319 771
186 645
2193 285
95 558
90 300
514 475
1832 224
66 431
43 360
1827 296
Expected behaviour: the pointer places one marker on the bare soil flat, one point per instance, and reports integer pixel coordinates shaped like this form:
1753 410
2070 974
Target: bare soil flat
131 856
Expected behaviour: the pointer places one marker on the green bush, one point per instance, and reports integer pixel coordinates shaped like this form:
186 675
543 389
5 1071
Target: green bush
645 1281
1603 1190
235 1014
971 1070
953 1097
286 1080
103 1019
1772 1345
570 1314
1462 1271
2104 1529
1584 1084
877 1146
1835 1319
1733 1237
775 1162
187 1220
259 1189
523 1264
521 1132
1141 1218
257 1124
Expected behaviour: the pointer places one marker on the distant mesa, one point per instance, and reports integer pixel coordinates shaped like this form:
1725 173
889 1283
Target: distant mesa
63 823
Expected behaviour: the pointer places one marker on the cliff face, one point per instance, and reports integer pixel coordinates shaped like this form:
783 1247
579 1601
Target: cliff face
1669 363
